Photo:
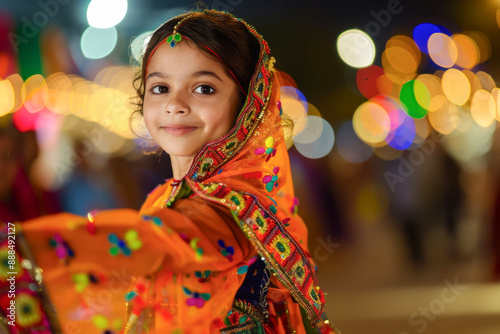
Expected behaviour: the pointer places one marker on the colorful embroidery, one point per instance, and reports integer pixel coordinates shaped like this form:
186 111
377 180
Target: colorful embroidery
9 263
28 310
300 273
195 298
257 134
261 222
126 247
155 220
63 251
282 246
268 150
265 233
193 243
203 276
271 181
226 251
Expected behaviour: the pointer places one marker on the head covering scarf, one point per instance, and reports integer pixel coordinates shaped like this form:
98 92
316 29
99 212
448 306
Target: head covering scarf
248 171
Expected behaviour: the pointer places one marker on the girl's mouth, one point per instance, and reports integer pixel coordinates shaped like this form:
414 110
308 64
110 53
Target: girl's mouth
178 129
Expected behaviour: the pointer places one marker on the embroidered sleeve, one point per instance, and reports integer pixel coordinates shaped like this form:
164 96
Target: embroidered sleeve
191 236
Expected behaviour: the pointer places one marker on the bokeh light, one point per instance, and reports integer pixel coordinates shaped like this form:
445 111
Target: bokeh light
468 51
487 82
317 138
356 48
430 95
17 85
496 95
371 122
98 43
402 131
483 43
60 88
34 93
422 32
350 146
442 50
408 98
106 13
445 119
456 86
8 99
483 108
373 81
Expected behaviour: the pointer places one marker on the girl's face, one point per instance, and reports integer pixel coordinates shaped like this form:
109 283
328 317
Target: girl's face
189 100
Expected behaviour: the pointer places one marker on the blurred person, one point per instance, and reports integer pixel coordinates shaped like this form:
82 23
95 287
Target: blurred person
20 198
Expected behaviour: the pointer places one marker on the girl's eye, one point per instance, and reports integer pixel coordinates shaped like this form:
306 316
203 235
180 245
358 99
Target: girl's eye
159 89
204 89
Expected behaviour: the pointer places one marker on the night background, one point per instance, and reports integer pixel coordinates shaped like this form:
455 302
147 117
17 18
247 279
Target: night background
403 210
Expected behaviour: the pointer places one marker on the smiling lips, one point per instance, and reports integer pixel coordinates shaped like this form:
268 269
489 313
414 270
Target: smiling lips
178 129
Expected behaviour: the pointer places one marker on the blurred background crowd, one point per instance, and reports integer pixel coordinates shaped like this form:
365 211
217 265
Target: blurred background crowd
395 154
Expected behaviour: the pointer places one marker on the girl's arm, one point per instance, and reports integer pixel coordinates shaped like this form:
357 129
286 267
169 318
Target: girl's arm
191 236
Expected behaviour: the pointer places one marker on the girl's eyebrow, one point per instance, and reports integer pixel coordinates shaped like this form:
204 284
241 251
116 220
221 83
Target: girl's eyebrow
209 73
155 74
194 75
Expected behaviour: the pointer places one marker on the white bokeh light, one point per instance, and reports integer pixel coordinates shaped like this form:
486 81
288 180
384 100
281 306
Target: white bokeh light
356 48
106 13
98 43
317 138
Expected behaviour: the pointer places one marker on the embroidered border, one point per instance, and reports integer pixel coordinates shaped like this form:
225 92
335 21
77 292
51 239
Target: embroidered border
304 289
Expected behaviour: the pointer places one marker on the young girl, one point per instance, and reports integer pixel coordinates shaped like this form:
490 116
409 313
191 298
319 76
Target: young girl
218 248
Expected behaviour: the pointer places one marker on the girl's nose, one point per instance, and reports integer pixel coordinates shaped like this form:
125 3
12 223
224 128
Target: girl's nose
176 105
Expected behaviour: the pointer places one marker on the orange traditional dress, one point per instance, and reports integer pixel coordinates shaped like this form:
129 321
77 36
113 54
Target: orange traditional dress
224 251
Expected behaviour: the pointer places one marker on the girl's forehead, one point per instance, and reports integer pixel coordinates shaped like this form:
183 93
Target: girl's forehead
185 56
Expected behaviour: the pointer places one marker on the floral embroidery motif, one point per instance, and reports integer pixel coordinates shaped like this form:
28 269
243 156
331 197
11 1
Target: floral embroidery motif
195 298
269 150
203 276
28 310
273 208
226 251
314 295
132 243
271 181
235 318
260 222
63 250
282 246
300 273
9 263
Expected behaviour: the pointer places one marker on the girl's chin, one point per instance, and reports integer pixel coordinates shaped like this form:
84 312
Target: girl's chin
181 153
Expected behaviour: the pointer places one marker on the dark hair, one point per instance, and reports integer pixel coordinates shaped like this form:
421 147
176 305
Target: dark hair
228 37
